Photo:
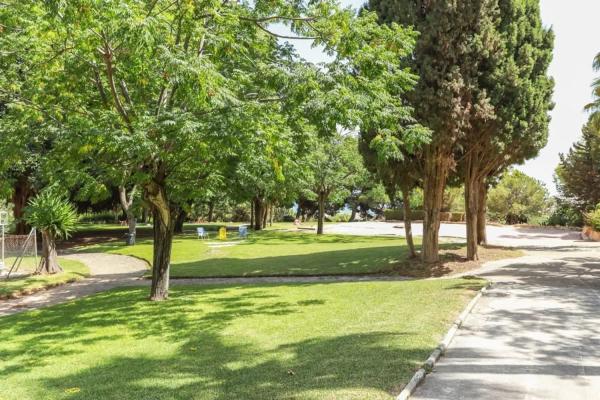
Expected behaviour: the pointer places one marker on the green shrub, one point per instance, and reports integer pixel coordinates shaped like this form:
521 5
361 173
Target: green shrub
593 218
340 217
398 215
457 217
564 214
104 217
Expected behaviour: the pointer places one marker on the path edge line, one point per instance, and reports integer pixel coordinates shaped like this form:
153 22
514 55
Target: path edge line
440 350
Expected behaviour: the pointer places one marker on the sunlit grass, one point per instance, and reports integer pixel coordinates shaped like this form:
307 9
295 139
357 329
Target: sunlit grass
306 342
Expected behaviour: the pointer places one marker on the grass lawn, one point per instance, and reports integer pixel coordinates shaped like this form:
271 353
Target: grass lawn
273 253
318 341
73 271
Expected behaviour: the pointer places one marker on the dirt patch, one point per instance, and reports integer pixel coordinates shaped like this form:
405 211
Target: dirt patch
454 261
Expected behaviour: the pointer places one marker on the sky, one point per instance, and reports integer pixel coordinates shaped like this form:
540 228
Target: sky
575 24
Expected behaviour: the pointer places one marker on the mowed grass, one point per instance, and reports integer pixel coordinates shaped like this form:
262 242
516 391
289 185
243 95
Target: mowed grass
73 271
273 254
319 341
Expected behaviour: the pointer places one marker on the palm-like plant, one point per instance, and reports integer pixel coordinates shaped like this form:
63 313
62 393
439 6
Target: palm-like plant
56 219
594 106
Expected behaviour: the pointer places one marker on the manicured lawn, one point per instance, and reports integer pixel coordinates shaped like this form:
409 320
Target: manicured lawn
273 253
74 271
307 342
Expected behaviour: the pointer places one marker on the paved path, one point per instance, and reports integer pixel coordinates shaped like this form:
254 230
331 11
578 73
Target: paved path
534 336
107 271
512 236
112 270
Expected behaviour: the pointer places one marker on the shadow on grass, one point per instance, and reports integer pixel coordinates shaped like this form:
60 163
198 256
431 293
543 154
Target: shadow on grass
369 260
206 363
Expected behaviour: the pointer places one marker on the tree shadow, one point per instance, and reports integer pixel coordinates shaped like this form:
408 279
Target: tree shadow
206 362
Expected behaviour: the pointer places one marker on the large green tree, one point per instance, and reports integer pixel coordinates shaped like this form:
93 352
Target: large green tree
452 45
513 126
183 84
578 174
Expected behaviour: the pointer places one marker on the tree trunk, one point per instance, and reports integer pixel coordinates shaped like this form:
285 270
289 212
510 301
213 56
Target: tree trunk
408 222
266 207
252 213
49 262
434 183
126 204
353 214
144 215
22 192
179 221
258 213
471 205
164 225
211 209
271 215
482 214
321 213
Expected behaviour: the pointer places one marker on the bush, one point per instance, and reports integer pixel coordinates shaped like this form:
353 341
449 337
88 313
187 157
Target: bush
288 218
340 217
398 215
457 217
564 215
593 219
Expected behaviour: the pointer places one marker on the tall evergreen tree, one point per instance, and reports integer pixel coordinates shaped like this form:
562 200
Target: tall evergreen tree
578 174
514 126
449 52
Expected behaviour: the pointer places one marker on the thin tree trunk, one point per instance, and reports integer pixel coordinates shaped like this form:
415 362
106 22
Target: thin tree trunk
164 225
211 209
482 214
321 213
265 214
353 214
49 261
22 192
408 222
471 206
180 220
271 215
126 204
144 215
436 170
258 214
252 213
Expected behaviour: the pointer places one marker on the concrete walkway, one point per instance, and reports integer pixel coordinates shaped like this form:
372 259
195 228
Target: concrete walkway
535 335
107 271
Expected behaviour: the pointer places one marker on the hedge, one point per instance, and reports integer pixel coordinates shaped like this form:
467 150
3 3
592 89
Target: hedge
419 215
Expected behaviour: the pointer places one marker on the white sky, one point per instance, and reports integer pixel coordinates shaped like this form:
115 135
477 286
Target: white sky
577 30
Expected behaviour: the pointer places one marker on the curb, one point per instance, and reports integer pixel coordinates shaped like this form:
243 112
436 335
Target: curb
435 355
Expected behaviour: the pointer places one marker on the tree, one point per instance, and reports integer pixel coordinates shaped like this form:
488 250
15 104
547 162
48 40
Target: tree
484 91
334 162
594 106
578 173
397 173
518 198
520 98
447 58
180 85
56 219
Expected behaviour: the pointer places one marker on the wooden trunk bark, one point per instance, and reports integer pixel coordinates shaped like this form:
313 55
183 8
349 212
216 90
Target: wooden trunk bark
265 214
471 183
126 204
164 226
408 222
22 192
352 214
252 214
321 219
482 214
179 221
211 210
434 183
258 214
49 261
